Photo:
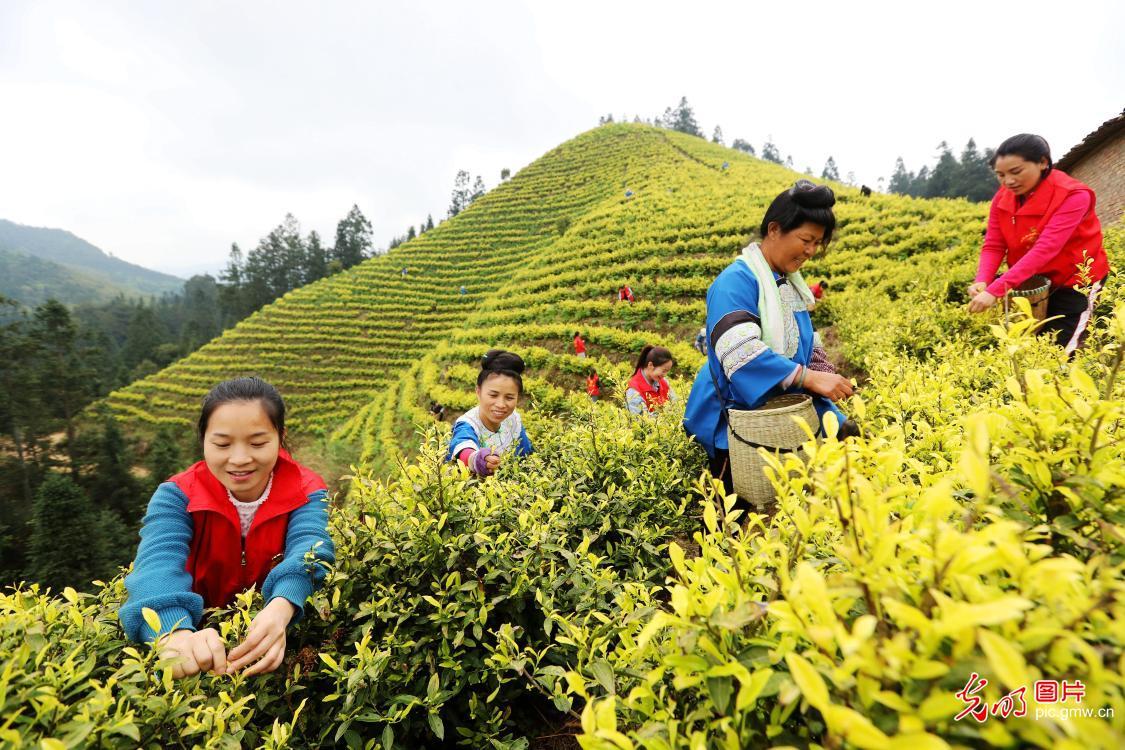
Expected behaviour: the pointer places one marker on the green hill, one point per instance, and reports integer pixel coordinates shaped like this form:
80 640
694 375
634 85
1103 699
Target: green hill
39 263
360 355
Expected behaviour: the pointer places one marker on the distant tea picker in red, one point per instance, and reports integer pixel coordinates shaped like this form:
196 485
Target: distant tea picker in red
625 294
1042 222
593 386
579 344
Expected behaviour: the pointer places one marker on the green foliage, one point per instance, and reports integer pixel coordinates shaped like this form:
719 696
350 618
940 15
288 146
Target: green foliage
353 239
970 177
976 526
893 569
110 482
164 457
682 119
830 171
67 544
437 622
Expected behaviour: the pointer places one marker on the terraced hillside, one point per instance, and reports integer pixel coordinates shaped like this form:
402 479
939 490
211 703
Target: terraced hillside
690 207
360 355
333 345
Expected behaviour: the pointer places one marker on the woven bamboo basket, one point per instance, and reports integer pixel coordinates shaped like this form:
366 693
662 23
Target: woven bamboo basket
772 427
1036 289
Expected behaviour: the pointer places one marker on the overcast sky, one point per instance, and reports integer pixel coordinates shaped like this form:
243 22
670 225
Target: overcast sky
162 131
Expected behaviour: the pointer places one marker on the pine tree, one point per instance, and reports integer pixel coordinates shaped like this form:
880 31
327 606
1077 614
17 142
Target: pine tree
830 172
293 258
901 180
919 185
316 258
20 405
478 189
770 151
975 179
742 145
144 335
164 457
429 222
460 198
231 295
63 373
200 319
410 233
66 544
944 174
505 173
111 485
717 136
353 239
683 119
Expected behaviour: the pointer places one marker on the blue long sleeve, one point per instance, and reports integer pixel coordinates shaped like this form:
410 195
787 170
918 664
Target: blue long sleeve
295 578
159 579
737 290
463 432
524 448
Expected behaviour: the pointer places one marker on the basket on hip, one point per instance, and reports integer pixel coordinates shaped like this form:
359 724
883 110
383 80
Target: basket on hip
772 427
1036 289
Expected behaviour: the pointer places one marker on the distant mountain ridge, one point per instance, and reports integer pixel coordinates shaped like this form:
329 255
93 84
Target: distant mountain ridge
37 263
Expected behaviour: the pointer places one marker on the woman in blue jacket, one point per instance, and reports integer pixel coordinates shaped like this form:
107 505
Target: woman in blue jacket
759 332
246 515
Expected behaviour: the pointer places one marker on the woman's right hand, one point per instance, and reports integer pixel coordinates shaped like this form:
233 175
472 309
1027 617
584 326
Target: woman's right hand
976 288
830 385
195 652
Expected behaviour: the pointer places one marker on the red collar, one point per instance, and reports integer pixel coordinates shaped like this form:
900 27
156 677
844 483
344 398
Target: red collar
206 493
642 384
1036 200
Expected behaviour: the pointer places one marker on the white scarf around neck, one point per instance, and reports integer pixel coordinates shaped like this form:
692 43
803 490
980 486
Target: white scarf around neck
769 298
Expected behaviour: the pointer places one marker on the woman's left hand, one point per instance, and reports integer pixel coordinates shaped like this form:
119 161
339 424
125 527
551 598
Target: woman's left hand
981 302
264 647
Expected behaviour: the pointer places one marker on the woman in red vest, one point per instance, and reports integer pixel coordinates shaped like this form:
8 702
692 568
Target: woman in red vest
579 344
246 515
1042 222
648 388
593 386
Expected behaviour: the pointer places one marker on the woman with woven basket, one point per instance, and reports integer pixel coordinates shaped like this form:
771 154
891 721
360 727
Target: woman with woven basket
1042 223
759 331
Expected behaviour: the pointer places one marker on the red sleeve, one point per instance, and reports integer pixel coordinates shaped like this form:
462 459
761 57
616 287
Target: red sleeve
994 250
1050 243
465 455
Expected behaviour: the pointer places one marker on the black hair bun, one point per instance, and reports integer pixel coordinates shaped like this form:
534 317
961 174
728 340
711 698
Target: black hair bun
808 194
498 360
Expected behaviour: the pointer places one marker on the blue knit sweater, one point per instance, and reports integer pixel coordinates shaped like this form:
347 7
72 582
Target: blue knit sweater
160 581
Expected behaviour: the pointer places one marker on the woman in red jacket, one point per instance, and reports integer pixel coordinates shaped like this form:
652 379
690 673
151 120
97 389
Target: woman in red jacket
1042 221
